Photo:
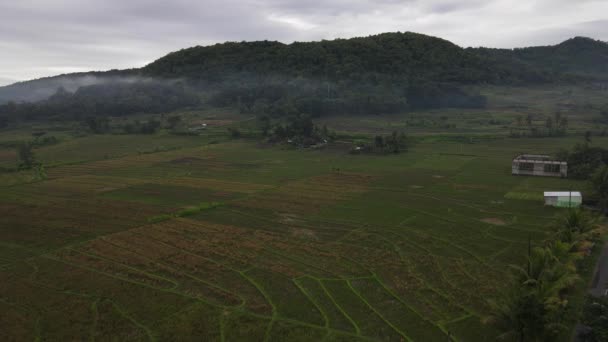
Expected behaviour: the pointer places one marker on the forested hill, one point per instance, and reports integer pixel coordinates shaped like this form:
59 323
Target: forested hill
577 56
43 88
404 56
389 72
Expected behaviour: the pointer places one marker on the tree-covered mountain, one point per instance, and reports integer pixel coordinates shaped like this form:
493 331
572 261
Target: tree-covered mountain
402 57
43 88
383 73
577 56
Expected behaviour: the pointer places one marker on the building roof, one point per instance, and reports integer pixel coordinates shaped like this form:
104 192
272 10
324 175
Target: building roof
538 158
562 193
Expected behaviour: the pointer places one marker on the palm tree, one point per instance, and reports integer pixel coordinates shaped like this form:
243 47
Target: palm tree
516 313
532 307
576 223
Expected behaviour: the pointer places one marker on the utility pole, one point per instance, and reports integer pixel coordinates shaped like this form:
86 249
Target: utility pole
529 253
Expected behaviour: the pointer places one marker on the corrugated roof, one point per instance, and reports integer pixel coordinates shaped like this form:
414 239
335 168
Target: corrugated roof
562 193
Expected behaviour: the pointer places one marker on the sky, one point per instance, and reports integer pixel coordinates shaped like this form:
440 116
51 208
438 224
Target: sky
48 37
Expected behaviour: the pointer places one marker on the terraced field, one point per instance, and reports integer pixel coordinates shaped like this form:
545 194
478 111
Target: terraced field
304 245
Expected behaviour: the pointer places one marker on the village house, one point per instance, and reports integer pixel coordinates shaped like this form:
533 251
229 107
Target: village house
538 165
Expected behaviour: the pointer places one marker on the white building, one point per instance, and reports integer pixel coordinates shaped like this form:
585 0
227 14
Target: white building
563 199
538 165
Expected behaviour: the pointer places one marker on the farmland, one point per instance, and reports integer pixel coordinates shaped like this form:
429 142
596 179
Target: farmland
303 245
209 237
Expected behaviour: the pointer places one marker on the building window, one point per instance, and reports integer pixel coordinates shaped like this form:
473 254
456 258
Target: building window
526 166
552 168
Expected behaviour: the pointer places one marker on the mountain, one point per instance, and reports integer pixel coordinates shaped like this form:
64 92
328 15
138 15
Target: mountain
577 56
409 56
406 55
43 88
384 73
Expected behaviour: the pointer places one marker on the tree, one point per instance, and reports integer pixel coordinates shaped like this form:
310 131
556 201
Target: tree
379 142
98 125
604 112
532 306
599 180
173 121
26 156
235 133
563 122
264 124
518 313
588 137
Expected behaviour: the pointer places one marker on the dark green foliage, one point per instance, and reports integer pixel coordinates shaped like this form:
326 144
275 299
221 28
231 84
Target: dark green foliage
299 130
235 133
577 56
584 160
173 121
595 316
104 100
600 184
98 125
148 127
535 305
393 143
25 153
365 59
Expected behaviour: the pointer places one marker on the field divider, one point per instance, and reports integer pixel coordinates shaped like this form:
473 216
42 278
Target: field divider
314 302
186 274
274 307
272 251
377 313
95 320
190 253
175 284
333 300
147 330
394 295
242 310
219 263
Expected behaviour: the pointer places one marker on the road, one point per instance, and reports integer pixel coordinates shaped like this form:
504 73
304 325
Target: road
599 285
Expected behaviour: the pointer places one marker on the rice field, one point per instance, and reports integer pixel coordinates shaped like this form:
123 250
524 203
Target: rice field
306 245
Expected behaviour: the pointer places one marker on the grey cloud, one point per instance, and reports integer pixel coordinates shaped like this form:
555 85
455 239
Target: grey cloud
46 37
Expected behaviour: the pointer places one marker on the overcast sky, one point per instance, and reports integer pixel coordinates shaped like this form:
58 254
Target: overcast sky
48 37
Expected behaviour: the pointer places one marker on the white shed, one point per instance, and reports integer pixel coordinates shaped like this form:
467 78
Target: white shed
564 199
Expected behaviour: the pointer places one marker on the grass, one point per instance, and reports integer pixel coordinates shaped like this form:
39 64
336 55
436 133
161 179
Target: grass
234 241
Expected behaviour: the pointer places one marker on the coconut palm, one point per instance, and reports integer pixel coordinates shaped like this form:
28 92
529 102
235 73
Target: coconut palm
532 307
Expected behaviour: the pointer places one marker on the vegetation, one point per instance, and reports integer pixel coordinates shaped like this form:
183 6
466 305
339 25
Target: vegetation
584 160
385 73
535 306
150 220
595 318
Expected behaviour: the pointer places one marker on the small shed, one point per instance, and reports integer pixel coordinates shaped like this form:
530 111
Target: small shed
563 199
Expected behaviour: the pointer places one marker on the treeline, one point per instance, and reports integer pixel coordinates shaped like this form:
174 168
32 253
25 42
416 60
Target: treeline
584 160
103 100
552 126
297 130
281 97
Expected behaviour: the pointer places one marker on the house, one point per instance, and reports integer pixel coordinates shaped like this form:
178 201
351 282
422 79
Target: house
538 165
563 199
